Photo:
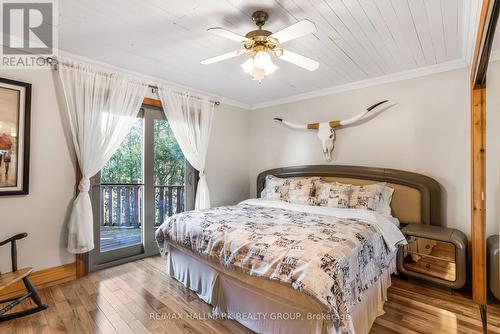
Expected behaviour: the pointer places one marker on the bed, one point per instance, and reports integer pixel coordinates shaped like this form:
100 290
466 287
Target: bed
278 267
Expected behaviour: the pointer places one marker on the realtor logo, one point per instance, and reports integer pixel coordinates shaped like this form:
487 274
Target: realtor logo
28 33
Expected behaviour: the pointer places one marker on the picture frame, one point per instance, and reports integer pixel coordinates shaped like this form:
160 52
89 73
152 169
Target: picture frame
15 118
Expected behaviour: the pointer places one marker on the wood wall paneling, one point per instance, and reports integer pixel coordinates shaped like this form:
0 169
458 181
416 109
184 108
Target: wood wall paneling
80 259
484 40
478 212
480 35
81 265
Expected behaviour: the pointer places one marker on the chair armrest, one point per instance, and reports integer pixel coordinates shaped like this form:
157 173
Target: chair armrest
16 237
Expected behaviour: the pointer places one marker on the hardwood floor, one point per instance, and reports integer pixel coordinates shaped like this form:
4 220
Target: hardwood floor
121 299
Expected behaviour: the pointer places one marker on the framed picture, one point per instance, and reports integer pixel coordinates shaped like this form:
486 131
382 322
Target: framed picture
15 104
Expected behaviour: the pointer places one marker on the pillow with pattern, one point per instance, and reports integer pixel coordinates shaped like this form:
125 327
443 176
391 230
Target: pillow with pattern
276 188
301 191
332 194
366 197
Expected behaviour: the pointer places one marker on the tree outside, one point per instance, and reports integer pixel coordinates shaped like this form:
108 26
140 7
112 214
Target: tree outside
120 203
169 162
125 166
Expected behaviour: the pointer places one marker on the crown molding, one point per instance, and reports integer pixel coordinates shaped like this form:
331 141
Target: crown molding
152 79
410 74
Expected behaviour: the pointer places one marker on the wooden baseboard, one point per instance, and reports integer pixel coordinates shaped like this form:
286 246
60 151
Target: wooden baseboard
42 279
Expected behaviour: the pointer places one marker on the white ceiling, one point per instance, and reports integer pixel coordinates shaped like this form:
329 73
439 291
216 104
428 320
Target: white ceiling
356 40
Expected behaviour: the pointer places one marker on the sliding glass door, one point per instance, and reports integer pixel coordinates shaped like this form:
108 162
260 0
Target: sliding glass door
121 196
145 181
171 174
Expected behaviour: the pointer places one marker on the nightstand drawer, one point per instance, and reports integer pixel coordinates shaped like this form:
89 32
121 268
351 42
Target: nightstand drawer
432 267
430 257
428 247
433 253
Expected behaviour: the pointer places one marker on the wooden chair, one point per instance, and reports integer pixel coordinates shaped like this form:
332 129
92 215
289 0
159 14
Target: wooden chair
14 276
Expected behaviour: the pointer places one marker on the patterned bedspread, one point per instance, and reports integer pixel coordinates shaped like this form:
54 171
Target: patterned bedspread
333 260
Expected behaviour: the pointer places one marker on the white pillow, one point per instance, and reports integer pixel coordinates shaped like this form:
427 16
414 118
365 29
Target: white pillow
385 202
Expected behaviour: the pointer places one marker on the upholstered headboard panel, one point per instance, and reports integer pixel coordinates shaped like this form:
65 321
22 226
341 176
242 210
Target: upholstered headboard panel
416 198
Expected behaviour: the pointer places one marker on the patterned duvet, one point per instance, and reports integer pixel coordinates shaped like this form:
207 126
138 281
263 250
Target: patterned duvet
331 259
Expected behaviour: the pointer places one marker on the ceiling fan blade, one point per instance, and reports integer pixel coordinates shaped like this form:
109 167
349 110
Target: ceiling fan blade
296 59
223 57
296 30
219 31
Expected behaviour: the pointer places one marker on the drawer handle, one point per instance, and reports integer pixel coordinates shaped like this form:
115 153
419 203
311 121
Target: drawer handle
427 246
428 266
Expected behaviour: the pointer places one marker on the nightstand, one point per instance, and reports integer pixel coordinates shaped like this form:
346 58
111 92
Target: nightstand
435 254
493 272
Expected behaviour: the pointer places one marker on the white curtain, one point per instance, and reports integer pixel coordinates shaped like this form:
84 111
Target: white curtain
101 109
190 119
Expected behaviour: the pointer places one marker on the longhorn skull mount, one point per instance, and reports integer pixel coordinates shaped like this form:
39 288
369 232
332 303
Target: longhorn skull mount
326 130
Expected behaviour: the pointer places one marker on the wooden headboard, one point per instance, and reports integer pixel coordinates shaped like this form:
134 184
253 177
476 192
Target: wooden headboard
416 198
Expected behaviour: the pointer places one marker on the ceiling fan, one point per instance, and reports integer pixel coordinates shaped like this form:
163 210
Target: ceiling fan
262 44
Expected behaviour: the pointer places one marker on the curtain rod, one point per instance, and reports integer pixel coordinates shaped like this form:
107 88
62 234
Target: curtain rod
54 61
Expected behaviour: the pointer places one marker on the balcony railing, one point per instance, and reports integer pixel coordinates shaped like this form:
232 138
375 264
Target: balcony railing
169 200
121 204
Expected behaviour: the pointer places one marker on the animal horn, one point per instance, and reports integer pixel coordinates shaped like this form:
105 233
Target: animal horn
333 124
358 116
292 125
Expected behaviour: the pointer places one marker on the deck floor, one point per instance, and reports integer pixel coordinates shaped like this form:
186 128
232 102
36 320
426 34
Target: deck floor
122 299
118 237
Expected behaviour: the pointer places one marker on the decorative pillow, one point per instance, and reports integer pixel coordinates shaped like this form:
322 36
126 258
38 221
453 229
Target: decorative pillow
385 202
334 195
276 188
301 191
366 197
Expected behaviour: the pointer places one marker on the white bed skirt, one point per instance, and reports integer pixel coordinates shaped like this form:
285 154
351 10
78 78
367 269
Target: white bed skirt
266 306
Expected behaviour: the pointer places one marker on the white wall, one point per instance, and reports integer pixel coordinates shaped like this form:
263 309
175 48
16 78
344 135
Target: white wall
42 213
227 164
426 132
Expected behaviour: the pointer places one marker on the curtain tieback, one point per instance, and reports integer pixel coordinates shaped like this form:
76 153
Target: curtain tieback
201 174
84 185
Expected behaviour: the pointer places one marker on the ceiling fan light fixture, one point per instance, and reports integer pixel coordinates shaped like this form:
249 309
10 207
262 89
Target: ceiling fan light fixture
263 44
259 66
